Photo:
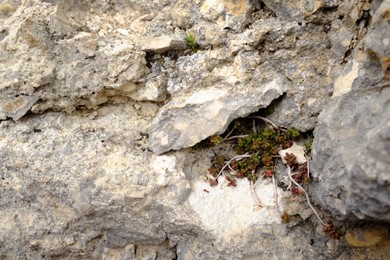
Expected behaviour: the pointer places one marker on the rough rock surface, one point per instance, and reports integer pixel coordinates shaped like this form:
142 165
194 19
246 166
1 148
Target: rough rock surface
352 139
190 118
82 102
86 185
351 159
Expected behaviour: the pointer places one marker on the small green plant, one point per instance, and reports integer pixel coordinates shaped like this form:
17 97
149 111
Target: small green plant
258 150
309 144
191 42
256 157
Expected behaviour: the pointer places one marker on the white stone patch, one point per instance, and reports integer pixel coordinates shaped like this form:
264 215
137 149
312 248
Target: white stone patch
123 32
385 42
164 166
311 101
343 83
276 84
297 150
206 95
230 212
227 72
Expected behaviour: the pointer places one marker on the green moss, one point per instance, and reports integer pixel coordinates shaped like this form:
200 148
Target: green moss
309 144
263 147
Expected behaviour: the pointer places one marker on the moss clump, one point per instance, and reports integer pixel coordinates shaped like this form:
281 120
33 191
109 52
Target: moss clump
309 144
263 147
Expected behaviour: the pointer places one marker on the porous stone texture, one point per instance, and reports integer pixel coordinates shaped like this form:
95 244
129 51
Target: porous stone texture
40 59
351 159
352 139
94 92
85 185
190 118
296 9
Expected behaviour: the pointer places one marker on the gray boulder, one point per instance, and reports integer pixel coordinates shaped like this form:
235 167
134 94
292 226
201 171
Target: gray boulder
351 161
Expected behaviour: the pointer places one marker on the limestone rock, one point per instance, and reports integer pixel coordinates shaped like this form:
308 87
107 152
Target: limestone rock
154 90
351 156
101 188
229 13
295 149
185 14
47 73
163 44
380 50
77 179
288 46
207 108
84 196
296 9
17 107
351 145
366 237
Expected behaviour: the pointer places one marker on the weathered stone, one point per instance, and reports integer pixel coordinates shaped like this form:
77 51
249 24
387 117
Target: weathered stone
163 44
83 184
366 237
47 73
296 9
235 202
208 108
185 14
154 90
295 149
351 145
127 253
380 49
17 107
7 8
299 52
351 156
228 13
122 196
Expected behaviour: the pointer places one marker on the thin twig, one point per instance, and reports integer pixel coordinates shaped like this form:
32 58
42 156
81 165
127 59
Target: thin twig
260 178
225 138
289 177
276 195
268 121
230 167
238 157
254 125
252 187
307 166
307 196
235 137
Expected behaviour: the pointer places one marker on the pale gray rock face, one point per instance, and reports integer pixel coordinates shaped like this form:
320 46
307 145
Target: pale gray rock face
352 139
351 160
296 9
104 68
85 185
163 44
201 110
80 91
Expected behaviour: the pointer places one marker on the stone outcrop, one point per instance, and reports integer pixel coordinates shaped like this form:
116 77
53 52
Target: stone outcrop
99 98
352 139
198 113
